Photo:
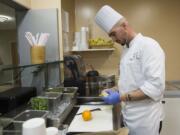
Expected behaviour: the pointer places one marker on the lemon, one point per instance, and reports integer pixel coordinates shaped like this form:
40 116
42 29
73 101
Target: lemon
104 94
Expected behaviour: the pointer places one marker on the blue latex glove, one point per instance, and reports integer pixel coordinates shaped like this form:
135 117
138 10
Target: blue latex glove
112 98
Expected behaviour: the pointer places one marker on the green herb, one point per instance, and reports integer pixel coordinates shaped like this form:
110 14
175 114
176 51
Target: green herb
39 103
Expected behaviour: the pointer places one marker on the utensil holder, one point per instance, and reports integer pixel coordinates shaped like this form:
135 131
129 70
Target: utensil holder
37 54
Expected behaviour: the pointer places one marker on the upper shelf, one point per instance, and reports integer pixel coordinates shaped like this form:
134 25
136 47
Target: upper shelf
10 67
95 50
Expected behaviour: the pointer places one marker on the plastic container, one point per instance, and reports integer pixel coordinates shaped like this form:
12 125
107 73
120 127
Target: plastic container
35 126
52 131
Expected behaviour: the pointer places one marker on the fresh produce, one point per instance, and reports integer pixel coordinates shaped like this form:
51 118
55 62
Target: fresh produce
86 115
104 94
100 42
39 103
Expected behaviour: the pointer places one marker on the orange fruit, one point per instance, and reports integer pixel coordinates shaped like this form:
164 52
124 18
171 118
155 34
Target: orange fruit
86 115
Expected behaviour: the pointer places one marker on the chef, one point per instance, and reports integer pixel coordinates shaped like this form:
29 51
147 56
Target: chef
142 74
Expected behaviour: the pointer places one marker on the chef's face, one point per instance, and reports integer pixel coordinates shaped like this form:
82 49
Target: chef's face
118 34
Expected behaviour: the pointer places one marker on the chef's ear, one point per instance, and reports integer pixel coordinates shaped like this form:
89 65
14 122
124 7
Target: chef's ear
124 24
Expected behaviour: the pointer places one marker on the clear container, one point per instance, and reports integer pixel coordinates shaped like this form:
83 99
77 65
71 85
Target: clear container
52 101
29 114
68 93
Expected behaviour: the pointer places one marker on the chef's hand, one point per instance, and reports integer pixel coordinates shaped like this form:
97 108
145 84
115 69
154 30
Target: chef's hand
113 97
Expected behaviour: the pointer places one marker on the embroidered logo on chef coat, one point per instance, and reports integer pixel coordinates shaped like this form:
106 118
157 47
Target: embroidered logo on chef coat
135 56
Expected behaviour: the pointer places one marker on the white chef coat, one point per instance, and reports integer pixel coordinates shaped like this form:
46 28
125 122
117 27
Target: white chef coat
142 67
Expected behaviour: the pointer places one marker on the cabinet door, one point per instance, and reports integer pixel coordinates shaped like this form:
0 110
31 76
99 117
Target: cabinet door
25 3
172 119
37 21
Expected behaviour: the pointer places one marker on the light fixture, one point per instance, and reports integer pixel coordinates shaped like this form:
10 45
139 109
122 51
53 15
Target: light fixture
4 18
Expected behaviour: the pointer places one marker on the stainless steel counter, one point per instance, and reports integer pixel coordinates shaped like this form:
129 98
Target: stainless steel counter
172 94
54 117
69 114
172 89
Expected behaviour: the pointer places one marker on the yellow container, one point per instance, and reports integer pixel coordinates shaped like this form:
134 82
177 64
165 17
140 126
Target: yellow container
37 54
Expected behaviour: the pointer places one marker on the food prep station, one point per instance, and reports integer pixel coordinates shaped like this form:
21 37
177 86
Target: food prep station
77 62
58 106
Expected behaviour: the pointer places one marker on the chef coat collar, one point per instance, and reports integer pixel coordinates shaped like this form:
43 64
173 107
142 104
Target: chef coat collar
136 38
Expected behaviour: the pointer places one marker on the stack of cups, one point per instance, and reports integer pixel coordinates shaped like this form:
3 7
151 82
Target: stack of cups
84 38
35 126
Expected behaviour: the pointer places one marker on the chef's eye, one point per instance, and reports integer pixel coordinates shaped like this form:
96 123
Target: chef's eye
112 34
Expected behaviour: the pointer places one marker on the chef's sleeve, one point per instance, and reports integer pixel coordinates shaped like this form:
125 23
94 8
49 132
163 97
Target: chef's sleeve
153 67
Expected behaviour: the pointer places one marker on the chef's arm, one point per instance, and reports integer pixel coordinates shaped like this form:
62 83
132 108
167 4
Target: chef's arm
135 95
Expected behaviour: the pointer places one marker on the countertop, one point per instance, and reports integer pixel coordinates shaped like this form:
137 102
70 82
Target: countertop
5 87
172 89
172 94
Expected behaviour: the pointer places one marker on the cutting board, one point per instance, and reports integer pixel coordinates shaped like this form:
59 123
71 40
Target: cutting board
101 120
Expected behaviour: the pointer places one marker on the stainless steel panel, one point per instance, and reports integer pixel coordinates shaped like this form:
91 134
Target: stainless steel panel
43 20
